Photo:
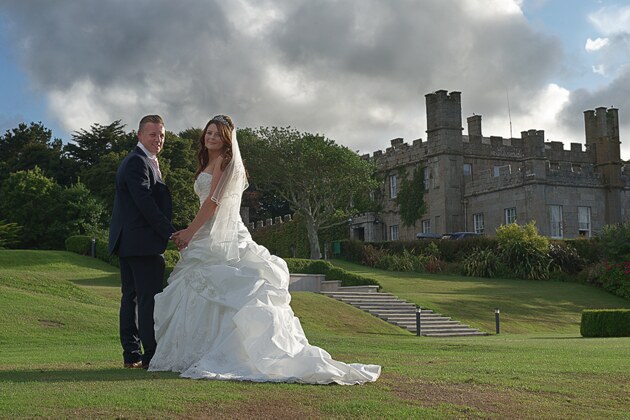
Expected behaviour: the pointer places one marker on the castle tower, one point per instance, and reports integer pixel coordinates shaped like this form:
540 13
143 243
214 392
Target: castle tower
444 119
602 141
444 134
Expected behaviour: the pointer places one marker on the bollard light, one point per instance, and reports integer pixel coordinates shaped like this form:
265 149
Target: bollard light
93 250
418 324
497 320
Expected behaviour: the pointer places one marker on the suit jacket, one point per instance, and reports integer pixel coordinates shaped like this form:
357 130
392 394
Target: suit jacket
141 219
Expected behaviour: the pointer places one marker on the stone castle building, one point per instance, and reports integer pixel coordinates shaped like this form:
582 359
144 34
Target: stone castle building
477 183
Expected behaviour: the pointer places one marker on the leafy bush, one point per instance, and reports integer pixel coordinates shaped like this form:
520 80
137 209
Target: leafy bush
352 250
616 279
9 234
481 263
589 250
605 323
615 242
524 251
565 257
371 255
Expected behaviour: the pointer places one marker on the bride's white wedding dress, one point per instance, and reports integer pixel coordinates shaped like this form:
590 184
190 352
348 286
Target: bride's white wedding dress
232 320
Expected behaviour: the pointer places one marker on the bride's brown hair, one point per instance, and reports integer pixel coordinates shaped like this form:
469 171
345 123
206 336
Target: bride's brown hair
225 126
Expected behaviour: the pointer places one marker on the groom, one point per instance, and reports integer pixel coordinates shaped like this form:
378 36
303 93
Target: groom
138 234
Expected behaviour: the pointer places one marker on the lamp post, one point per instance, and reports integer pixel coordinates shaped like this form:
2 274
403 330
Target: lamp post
93 248
497 320
418 322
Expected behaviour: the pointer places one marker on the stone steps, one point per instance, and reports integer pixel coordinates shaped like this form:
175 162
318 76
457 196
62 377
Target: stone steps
402 313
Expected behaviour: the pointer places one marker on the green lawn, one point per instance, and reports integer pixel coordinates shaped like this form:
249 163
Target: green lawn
60 355
526 306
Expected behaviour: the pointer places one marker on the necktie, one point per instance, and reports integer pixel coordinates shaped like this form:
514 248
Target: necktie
156 166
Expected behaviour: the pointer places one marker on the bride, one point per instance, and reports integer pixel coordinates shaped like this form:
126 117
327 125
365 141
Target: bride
225 313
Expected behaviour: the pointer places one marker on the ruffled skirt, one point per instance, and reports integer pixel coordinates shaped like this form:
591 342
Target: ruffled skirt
232 321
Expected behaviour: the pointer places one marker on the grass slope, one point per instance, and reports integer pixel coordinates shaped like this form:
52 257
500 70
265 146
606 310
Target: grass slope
60 357
526 306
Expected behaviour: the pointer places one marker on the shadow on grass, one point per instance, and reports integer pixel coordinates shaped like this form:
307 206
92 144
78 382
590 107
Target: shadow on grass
112 280
83 375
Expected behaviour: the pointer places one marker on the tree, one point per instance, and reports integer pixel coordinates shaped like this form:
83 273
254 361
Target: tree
47 212
410 198
90 146
318 178
179 160
26 146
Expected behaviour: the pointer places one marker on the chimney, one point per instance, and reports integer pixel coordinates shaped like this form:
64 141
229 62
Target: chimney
474 125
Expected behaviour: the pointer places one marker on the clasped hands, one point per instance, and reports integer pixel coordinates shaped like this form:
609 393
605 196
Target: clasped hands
181 238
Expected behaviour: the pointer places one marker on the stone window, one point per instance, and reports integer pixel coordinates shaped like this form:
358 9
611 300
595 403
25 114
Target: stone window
467 169
426 226
510 215
393 233
478 222
426 175
392 186
555 222
584 221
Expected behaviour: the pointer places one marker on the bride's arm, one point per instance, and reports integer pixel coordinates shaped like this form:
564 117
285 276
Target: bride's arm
205 213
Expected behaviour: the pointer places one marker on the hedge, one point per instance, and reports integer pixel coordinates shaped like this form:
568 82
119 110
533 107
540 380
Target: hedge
300 265
605 323
82 244
79 244
283 239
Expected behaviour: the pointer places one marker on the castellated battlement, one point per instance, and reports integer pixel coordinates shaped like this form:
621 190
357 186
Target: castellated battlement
531 145
511 176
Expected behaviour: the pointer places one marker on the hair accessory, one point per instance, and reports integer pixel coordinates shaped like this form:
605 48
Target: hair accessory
222 120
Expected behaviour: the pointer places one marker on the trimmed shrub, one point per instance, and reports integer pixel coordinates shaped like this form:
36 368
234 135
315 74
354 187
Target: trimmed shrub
102 252
605 323
299 265
350 279
306 266
80 244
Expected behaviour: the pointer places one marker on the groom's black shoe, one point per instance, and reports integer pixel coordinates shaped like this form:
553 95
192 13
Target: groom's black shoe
134 365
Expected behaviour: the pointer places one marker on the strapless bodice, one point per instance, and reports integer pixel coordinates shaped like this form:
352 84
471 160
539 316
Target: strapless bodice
202 186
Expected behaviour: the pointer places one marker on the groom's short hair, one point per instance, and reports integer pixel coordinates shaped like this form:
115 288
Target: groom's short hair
156 119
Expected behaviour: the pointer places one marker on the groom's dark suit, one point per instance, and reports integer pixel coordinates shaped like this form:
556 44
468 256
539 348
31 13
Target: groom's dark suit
139 232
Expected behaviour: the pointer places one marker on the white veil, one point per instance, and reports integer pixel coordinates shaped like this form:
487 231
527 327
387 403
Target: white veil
227 195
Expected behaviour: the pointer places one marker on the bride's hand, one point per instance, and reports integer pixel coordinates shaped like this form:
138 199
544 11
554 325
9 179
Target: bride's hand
182 238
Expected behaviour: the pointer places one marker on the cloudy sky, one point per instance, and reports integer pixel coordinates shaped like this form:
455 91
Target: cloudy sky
353 70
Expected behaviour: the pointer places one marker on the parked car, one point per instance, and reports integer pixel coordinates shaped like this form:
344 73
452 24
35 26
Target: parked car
460 235
425 235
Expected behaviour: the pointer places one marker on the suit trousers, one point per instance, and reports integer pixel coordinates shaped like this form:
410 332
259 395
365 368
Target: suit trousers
141 279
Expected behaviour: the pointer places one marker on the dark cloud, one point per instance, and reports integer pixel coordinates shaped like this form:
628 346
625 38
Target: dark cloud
356 71
616 94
